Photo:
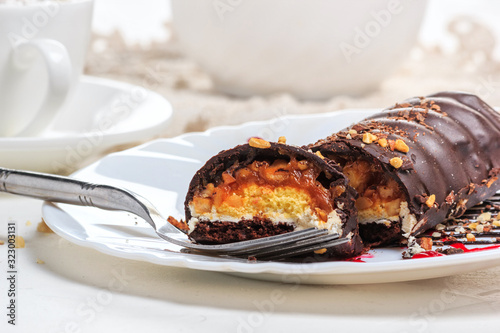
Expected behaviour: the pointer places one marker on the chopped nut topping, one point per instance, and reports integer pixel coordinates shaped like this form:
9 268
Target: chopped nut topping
208 191
363 203
40 261
396 162
227 179
496 223
321 214
302 165
473 226
178 224
392 145
472 186
259 143
401 146
425 243
337 191
369 138
480 228
484 217
440 226
435 107
431 200
471 238
436 234
320 155
282 139
382 142
491 181
353 132
320 251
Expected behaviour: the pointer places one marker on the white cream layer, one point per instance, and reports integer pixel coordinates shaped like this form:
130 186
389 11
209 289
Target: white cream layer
408 220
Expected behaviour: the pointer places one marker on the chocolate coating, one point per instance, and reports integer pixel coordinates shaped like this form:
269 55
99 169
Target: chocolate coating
454 152
242 156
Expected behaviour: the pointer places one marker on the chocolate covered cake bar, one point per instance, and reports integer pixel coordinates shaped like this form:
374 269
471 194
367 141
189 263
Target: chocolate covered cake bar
379 182
418 163
262 189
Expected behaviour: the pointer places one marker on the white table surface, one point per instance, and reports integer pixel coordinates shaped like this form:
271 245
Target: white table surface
81 290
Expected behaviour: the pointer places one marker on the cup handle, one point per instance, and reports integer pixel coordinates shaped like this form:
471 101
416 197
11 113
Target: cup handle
59 69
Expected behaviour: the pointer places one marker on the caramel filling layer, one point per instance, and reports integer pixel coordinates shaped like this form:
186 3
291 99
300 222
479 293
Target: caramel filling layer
281 191
380 196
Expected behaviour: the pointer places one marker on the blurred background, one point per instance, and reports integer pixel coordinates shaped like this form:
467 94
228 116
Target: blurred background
455 48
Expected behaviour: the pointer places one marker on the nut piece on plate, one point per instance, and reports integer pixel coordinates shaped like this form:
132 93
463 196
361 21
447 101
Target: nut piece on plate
19 242
43 227
425 243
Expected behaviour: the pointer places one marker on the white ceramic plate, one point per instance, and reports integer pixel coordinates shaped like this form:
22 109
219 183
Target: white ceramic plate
101 114
161 171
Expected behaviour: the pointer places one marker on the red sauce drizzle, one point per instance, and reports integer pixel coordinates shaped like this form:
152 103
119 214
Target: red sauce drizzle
360 258
462 246
428 254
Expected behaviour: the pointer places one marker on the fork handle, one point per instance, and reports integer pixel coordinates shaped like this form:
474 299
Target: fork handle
67 190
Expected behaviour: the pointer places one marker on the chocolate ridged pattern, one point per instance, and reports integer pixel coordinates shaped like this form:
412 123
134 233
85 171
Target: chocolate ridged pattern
454 152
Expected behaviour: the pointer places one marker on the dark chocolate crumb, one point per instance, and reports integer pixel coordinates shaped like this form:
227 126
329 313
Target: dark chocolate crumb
452 250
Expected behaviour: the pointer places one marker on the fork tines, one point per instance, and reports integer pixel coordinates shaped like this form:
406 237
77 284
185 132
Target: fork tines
282 246
285 246
244 247
276 247
290 253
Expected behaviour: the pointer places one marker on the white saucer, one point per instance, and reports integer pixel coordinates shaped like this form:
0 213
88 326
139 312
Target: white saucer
100 115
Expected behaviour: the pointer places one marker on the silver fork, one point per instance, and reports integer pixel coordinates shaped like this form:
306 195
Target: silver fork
75 192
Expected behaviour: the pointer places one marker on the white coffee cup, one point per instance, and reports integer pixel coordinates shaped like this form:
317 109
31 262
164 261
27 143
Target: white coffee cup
43 45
